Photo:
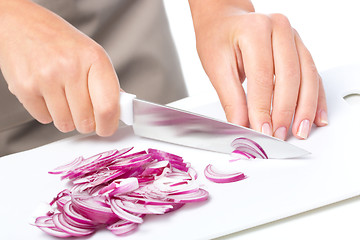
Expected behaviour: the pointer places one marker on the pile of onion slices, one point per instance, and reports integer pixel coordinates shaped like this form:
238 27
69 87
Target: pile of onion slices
116 190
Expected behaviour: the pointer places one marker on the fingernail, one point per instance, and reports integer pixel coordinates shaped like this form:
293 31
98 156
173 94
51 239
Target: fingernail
323 117
303 130
280 133
266 129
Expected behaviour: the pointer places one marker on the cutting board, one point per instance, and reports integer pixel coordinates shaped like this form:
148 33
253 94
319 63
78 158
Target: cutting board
274 189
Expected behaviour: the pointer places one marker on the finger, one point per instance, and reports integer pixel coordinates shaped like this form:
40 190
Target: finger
223 73
78 97
321 118
37 108
59 109
258 66
104 93
308 94
287 76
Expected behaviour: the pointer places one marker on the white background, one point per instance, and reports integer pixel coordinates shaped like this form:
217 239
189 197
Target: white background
330 30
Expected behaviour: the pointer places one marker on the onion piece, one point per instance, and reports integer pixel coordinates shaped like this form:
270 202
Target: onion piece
217 177
138 208
121 213
120 186
93 208
72 214
188 197
56 232
118 189
248 148
68 166
44 221
60 223
122 227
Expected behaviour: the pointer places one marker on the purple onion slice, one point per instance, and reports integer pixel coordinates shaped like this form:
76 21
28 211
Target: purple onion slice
214 176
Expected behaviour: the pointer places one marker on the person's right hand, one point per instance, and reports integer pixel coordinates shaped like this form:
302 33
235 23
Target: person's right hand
57 73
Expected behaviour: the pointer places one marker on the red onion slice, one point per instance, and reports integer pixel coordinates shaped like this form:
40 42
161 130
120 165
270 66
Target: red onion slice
68 166
44 221
93 208
188 197
56 232
248 148
138 208
60 223
118 189
120 186
217 177
122 227
77 217
121 213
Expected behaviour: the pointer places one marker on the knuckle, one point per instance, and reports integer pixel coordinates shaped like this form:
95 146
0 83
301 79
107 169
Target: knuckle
292 74
106 132
44 119
95 52
263 79
27 89
259 113
285 113
69 63
64 126
64 64
108 110
86 126
262 111
47 71
259 22
12 89
280 20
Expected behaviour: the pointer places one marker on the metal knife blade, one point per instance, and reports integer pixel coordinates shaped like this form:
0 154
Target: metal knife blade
181 127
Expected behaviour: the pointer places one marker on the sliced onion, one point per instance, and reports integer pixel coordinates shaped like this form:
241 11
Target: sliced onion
121 213
122 227
77 217
117 189
139 208
188 197
60 223
120 186
68 166
44 221
56 232
94 208
247 148
217 177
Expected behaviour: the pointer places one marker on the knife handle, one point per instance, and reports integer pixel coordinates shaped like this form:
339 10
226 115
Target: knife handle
126 108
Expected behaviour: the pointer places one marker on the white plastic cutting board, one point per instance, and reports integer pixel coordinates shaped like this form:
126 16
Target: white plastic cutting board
274 189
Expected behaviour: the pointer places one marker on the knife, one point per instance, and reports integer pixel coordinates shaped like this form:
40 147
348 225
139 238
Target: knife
181 127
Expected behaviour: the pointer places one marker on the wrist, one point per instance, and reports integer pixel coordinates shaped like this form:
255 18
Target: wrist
245 5
202 10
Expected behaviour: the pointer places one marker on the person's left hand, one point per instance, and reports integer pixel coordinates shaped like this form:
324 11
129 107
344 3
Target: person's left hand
235 43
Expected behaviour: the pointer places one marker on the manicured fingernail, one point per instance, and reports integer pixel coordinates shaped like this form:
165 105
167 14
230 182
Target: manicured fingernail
266 129
303 130
323 118
280 133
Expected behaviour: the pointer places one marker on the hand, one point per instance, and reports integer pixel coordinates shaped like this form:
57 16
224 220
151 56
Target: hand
233 42
55 71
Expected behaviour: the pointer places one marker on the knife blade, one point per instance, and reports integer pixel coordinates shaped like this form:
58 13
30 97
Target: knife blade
184 128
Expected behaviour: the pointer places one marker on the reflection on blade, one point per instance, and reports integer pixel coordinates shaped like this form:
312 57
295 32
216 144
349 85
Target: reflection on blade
192 130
